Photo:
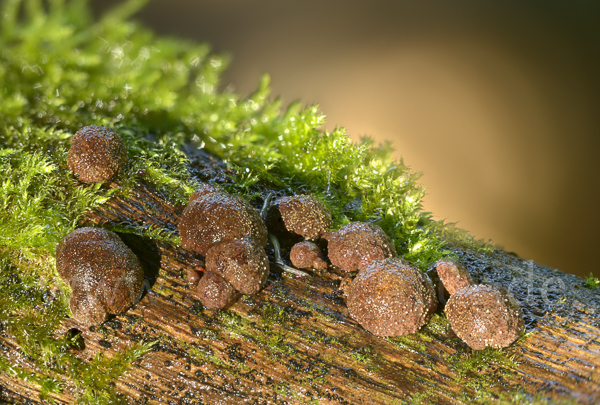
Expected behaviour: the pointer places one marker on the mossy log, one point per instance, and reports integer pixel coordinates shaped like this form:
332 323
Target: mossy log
294 342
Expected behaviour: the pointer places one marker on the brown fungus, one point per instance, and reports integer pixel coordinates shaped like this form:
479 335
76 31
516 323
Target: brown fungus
216 217
193 276
307 255
484 315
391 298
303 215
213 291
97 153
357 245
105 275
241 262
453 275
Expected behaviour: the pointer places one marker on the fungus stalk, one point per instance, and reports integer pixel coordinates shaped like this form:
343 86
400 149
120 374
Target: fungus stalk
265 207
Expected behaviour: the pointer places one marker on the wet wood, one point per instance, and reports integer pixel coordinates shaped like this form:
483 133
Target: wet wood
295 343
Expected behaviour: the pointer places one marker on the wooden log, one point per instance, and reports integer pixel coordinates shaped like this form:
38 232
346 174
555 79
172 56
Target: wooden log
294 342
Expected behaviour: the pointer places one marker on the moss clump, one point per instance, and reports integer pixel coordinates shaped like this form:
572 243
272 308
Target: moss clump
484 372
591 282
477 362
95 379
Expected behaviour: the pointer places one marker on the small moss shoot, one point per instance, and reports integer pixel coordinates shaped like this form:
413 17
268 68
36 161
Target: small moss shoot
591 282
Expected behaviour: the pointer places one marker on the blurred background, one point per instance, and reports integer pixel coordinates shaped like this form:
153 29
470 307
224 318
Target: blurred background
496 102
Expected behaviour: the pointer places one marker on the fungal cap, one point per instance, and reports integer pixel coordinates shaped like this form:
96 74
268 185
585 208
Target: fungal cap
391 297
219 217
358 244
306 255
204 189
303 215
241 262
453 275
97 153
485 315
105 275
213 291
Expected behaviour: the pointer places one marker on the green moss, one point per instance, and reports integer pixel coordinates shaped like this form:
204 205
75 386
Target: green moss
205 355
40 202
272 313
363 355
475 362
46 384
152 232
95 379
412 342
591 282
484 372
438 325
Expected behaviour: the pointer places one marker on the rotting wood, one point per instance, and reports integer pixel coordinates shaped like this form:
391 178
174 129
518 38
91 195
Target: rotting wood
295 343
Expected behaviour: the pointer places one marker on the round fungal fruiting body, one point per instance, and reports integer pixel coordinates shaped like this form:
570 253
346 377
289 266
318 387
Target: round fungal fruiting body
105 275
216 217
307 255
453 275
241 262
213 291
193 276
484 315
391 298
303 215
97 153
359 244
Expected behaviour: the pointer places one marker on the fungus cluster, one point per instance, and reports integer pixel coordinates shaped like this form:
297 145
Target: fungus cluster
481 315
351 248
105 275
388 297
97 153
231 235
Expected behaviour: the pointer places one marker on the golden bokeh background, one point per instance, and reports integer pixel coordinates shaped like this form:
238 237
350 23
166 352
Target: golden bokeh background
495 102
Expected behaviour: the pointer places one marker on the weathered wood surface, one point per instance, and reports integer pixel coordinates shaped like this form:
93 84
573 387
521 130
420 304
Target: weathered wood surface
295 343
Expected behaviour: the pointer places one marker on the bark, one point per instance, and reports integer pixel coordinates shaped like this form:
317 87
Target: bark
294 342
